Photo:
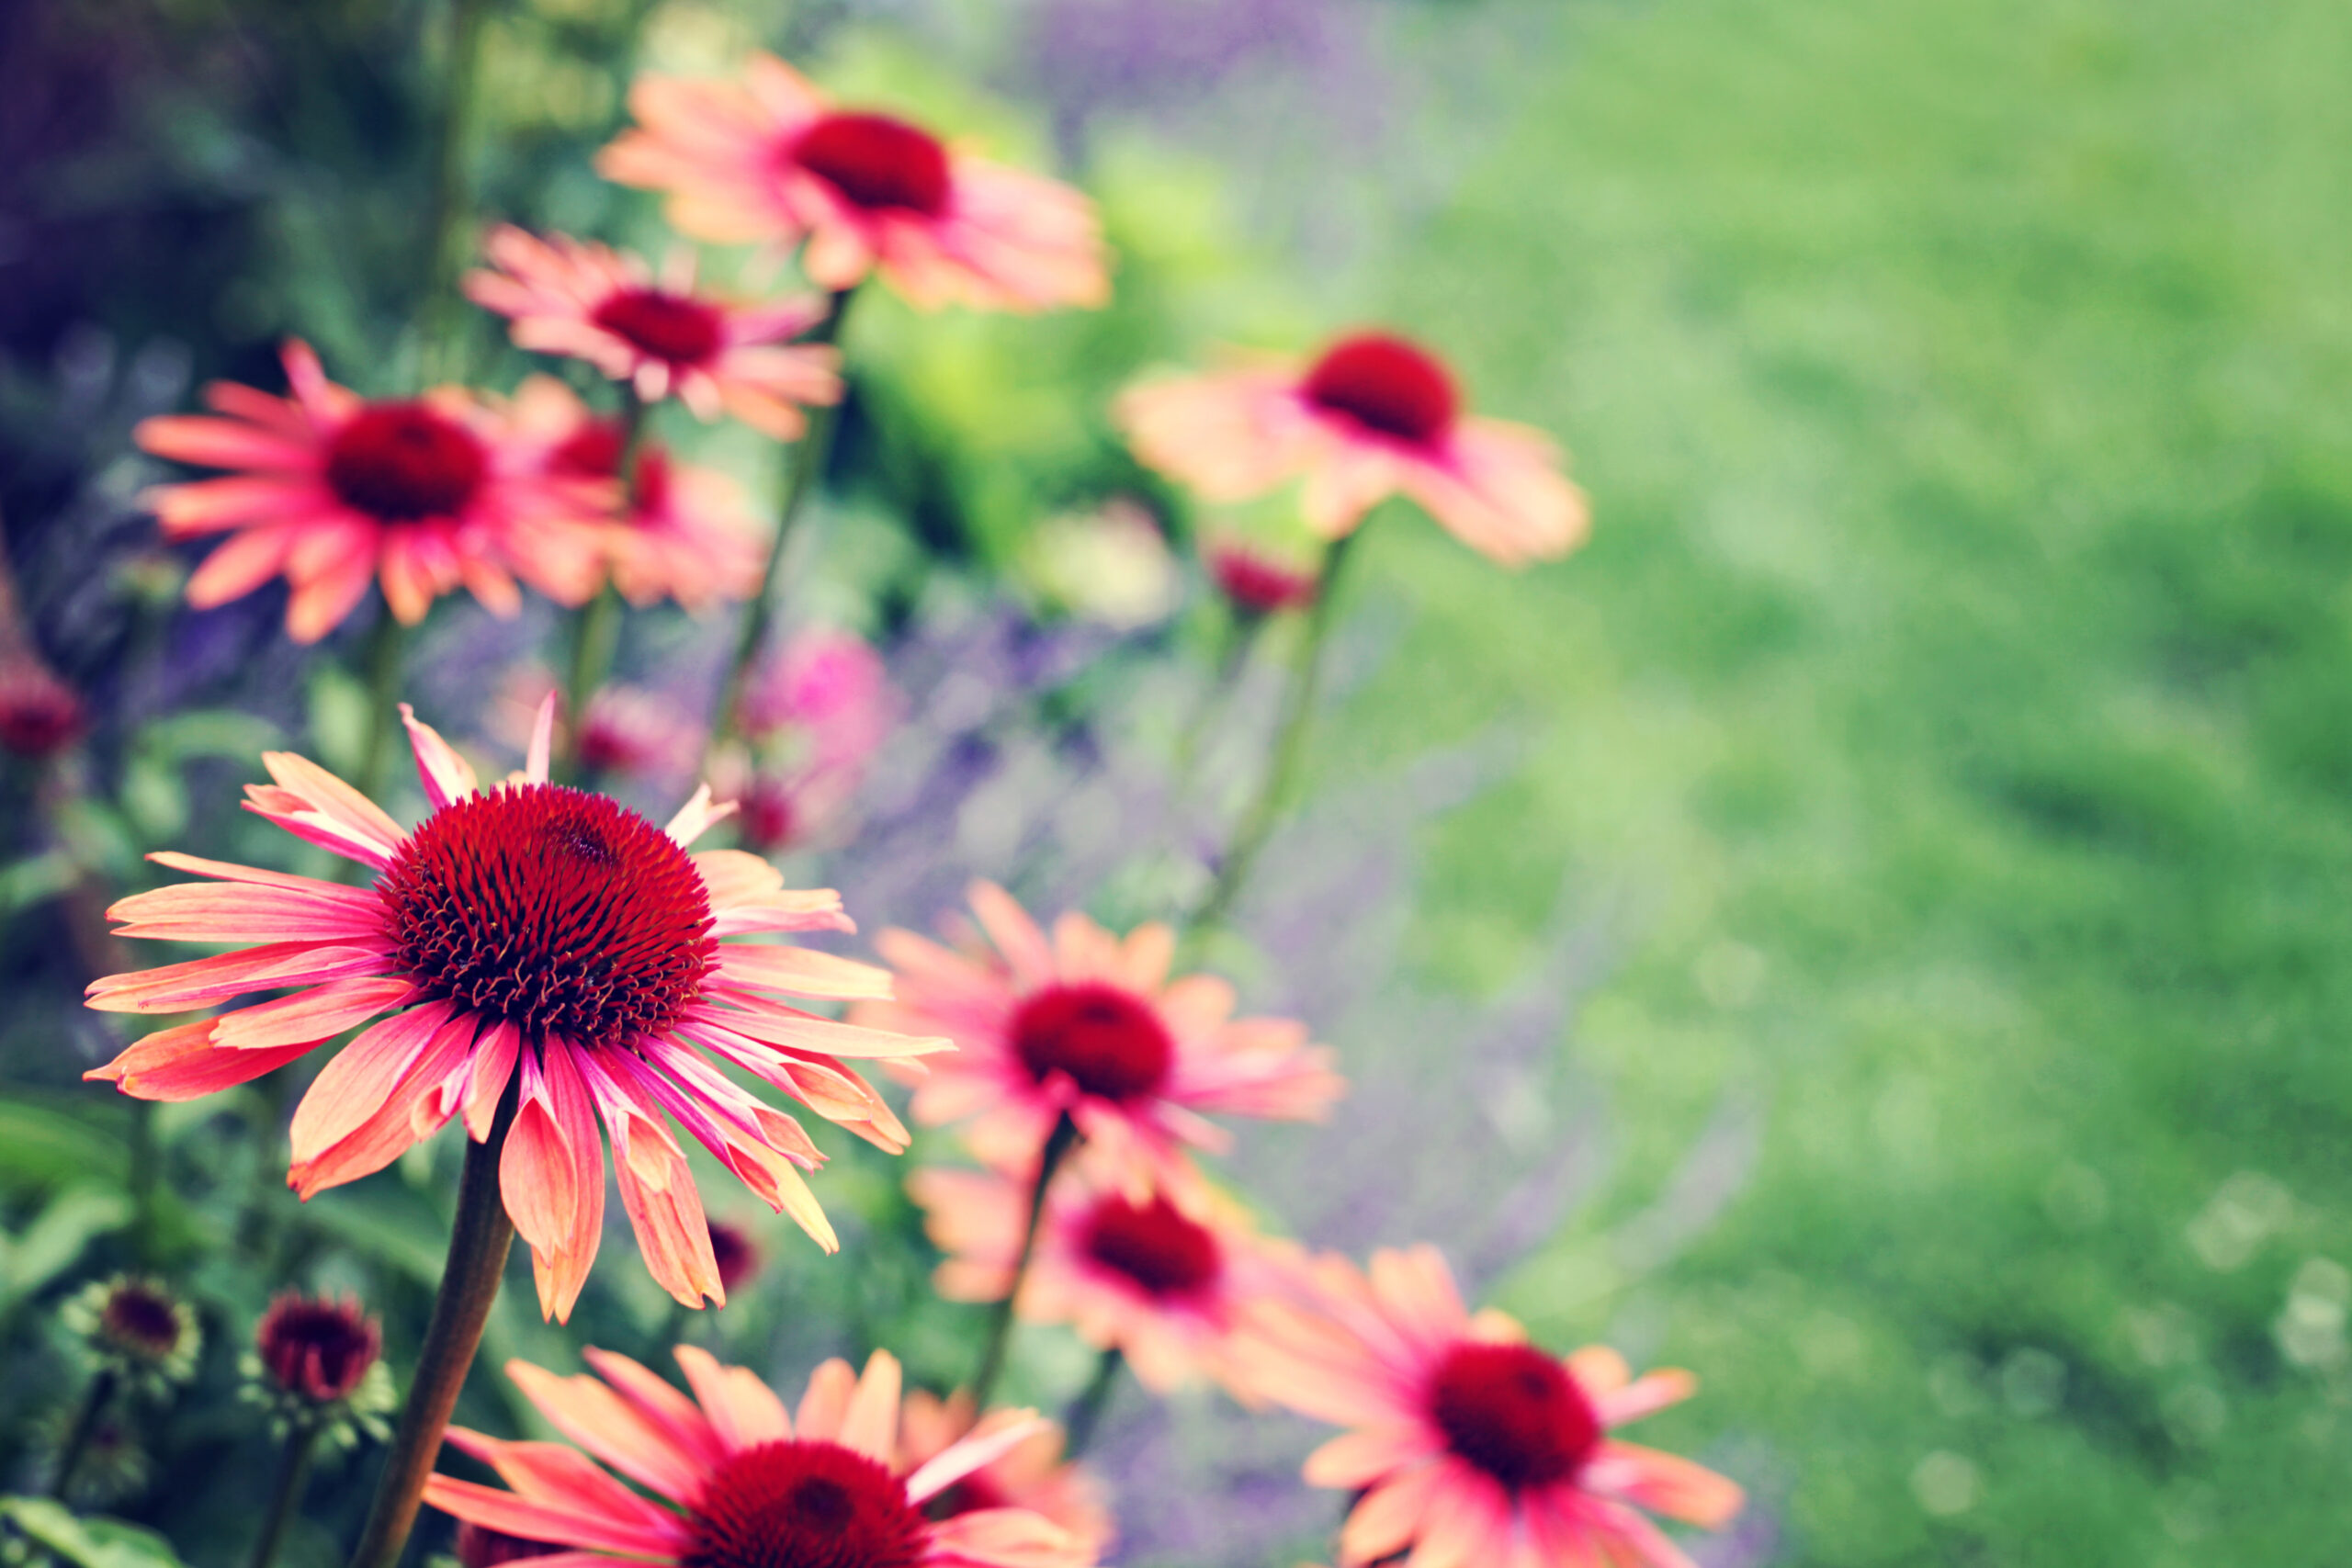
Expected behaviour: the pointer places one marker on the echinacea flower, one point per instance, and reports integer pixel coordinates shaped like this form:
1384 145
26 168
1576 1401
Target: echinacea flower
317 1364
1254 581
1032 1475
1372 416
136 1329
39 715
1465 1443
683 532
332 492
1161 1277
592 302
527 938
767 161
825 687
1090 1026
746 1485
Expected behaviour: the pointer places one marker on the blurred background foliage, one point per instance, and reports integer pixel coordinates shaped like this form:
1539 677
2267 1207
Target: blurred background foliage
1945 744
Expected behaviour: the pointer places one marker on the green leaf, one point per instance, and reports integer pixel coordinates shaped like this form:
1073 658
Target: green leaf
210 732
35 879
55 1238
93 1542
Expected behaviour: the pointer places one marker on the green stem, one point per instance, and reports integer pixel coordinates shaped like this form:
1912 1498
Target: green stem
383 660
1059 1144
1085 1411
293 1471
85 1426
445 250
801 475
479 1238
596 625
1290 747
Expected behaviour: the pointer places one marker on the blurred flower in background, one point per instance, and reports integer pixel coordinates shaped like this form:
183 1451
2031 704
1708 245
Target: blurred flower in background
767 161
1373 415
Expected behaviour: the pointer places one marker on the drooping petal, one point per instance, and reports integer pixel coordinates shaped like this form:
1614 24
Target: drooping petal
182 1063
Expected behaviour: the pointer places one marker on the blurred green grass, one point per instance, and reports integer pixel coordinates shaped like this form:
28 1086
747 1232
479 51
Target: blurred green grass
1951 721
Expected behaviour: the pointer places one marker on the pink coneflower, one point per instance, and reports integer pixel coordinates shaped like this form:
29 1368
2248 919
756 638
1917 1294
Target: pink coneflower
685 533
767 161
1254 581
827 688
420 494
590 301
318 1348
1032 1474
748 1485
1466 1443
1161 1276
39 715
1090 1026
526 935
1372 416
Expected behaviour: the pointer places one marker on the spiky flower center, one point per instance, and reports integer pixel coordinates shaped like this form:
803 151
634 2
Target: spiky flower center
1514 1413
1166 1254
556 910
1108 1042
804 1504
141 1319
876 162
1385 384
319 1347
402 461
673 327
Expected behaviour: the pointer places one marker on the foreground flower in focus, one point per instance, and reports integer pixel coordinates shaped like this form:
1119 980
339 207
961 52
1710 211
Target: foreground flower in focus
1032 1474
1090 1026
1468 1444
1373 417
767 161
137 1330
754 1486
1161 1278
332 490
529 937
590 301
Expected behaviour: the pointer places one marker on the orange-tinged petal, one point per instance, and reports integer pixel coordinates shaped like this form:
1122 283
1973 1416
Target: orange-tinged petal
870 1426
826 1403
356 1082
743 1411
182 1063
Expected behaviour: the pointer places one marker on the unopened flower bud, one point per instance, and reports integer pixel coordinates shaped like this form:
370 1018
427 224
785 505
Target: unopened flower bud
318 1347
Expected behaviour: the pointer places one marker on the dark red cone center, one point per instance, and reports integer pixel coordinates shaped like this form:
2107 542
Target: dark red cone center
555 910
1257 586
672 327
139 1317
1385 384
804 1504
399 462
1153 1245
318 1347
876 162
1109 1042
595 452
1514 1413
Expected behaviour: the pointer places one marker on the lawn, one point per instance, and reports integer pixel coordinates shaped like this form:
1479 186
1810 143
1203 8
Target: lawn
1950 726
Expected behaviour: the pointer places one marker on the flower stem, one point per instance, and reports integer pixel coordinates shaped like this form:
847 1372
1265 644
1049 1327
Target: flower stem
383 659
85 1426
596 625
1085 1411
444 221
479 1238
801 479
1290 747
1059 1144
293 1471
